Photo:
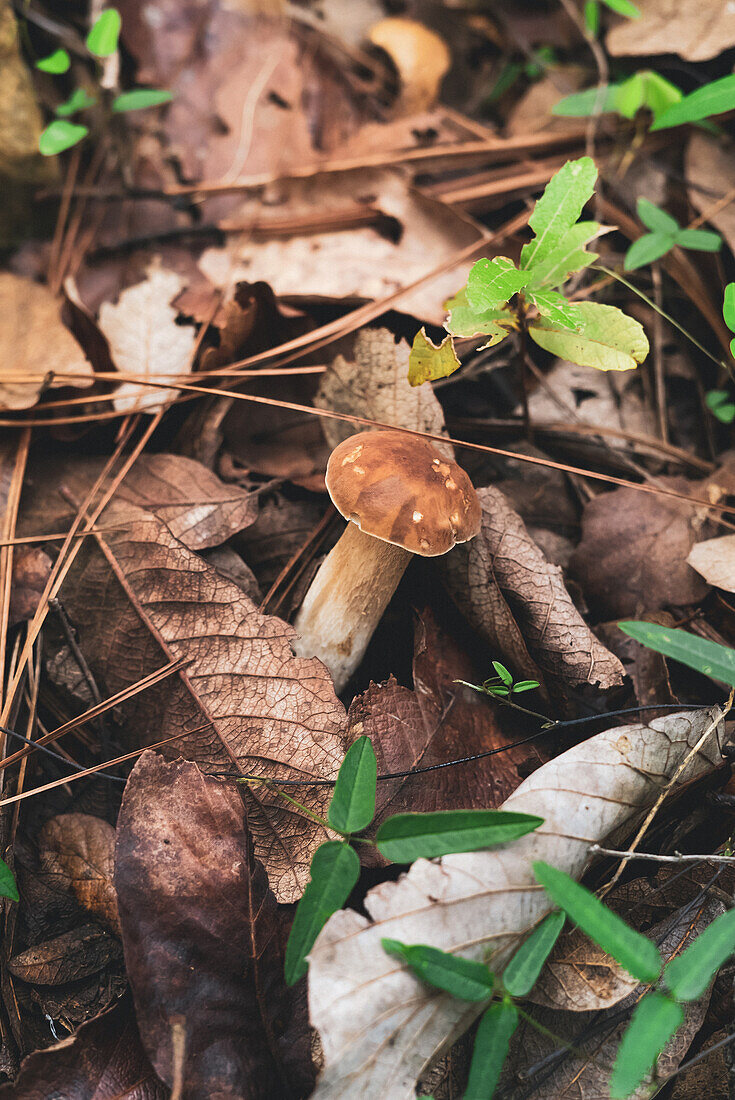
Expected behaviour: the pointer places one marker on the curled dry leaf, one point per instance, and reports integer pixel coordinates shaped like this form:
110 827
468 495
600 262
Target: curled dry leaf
34 342
243 701
714 560
633 553
693 30
374 383
31 569
77 852
379 1026
66 958
145 340
517 601
104 1058
199 509
203 938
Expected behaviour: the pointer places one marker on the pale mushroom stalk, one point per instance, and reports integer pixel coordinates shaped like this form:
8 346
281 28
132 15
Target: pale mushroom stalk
400 497
346 601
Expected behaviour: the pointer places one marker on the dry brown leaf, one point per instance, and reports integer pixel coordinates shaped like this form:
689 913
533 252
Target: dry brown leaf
379 1025
421 57
517 601
710 172
282 527
586 1076
103 1059
199 509
34 341
243 702
689 28
204 939
352 262
145 340
66 958
373 383
31 569
77 853
632 557
714 560
580 977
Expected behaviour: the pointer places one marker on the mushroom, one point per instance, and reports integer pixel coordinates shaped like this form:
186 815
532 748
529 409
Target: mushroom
401 497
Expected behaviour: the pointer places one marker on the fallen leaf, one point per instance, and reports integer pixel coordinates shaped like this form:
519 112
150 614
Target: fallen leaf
104 1058
711 1077
33 341
373 383
282 527
421 58
632 557
202 937
647 669
243 702
358 262
145 340
517 601
688 28
198 508
714 560
66 958
379 1026
31 569
436 722
710 167
76 852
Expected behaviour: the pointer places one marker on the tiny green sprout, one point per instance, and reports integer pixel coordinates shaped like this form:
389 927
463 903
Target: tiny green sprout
502 685
664 234
720 405
57 62
645 90
79 100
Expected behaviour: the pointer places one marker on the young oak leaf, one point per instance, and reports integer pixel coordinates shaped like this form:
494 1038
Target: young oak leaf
569 257
554 306
463 320
429 361
559 209
491 283
605 338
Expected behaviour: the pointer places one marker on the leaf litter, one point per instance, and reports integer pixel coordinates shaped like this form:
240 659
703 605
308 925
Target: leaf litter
314 196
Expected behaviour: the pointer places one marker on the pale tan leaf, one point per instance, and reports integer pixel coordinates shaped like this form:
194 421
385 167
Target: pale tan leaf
693 30
714 560
380 1026
77 851
33 341
145 340
710 172
420 56
373 383
242 703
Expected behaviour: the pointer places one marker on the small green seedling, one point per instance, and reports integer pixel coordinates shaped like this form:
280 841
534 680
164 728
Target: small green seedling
664 234
500 297
645 90
102 42
720 405
501 685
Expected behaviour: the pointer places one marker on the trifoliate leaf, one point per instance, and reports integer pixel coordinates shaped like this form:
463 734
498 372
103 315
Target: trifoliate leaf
699 240
492 282
429 361
559 208
656 219
606 338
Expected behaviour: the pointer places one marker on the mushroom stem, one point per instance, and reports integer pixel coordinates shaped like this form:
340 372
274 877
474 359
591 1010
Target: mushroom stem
346 601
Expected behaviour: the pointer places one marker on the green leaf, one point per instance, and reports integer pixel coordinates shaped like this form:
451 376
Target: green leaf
728 306
658 93
725 413
428 361
102 39
77 101
503 673
559 208
592 17
56 62
623 7
554 306
654 1021
688 975
717 401
353 803
699 240
521 973
712 99
606 338
405 837
60 135
335 868
636 953
492 282
569 257
463 320
8 888
649 247
711 658
656 219
586 103
525 685
140 98
461 978
715 398
491 1049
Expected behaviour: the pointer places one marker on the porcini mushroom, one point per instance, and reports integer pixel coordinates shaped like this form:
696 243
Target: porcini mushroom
401 497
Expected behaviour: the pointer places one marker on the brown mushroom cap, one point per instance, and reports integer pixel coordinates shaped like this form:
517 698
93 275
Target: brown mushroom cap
399 489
